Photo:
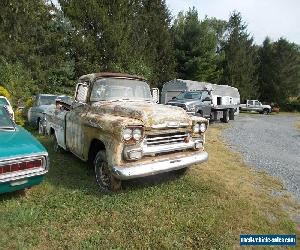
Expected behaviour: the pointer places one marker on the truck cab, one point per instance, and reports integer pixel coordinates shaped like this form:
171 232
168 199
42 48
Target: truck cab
115 125
194 102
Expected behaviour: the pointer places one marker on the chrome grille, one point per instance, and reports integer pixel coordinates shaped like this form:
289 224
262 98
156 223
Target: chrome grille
169 138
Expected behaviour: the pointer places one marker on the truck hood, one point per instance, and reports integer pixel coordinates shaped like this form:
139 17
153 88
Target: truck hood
150 114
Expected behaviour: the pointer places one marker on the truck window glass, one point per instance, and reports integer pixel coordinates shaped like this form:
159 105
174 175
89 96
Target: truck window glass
117 89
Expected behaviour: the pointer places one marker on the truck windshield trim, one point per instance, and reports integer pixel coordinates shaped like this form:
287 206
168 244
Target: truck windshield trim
114 89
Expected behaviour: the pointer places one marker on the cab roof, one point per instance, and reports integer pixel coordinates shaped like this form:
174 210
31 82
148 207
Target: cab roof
93 76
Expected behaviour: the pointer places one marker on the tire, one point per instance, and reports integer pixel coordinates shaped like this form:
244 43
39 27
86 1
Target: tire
104 178
265 112
225 118
41 128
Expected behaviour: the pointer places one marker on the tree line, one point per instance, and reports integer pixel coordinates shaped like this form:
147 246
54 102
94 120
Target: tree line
45 48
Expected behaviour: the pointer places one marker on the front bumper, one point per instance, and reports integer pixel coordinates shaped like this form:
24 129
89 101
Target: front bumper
147 169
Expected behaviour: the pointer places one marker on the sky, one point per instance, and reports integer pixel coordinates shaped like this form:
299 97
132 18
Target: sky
273 18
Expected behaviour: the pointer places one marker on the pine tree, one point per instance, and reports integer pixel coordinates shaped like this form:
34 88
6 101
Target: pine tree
240 58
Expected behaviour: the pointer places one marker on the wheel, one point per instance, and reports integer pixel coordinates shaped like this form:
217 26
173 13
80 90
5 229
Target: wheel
265 111
56 147
225 118
104 178
41 127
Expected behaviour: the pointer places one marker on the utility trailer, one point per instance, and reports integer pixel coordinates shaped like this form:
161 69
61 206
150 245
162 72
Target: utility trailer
202 99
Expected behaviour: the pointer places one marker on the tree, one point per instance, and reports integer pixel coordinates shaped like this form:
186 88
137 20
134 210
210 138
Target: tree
240 58
120 35
279 71
196 46
34 35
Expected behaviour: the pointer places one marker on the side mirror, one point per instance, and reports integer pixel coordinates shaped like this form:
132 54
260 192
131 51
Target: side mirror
81 92
207 99
174 97
155 95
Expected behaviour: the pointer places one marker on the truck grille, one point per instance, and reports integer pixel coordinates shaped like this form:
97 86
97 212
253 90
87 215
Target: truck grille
169 138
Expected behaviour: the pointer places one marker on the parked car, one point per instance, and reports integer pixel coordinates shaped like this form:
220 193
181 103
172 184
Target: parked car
23 160
5 102
256 106
42 103
115 125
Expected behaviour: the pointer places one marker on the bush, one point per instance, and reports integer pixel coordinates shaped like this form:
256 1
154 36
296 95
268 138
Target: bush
4 92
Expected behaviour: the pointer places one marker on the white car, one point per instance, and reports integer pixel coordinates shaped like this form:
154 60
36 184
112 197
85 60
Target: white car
4 102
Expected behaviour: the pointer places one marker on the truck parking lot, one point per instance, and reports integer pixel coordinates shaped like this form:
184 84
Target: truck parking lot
269 143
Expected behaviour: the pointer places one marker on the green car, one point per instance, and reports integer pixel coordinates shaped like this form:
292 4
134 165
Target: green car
23 160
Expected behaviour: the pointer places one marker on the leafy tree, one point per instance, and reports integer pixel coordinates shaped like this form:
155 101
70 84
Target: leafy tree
33 34
240 62
279 71
196 46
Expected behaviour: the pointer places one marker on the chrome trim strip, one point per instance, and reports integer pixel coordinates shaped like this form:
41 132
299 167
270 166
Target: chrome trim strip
141 170
24 176
156 149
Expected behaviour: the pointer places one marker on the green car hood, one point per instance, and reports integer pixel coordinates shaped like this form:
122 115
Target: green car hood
18 143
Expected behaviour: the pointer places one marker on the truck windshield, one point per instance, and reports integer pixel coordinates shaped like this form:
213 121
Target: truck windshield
46 100
189 95
3 101
5 120
111 89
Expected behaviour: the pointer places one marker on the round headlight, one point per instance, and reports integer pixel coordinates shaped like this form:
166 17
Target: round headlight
196 128
127 134
137 134
202 127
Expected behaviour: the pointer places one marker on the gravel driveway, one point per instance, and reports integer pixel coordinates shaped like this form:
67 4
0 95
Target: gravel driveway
270 143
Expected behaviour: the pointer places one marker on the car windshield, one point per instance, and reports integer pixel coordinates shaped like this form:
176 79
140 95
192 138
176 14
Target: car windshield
46 100
5 120
189 95
3 101
112 89
66 99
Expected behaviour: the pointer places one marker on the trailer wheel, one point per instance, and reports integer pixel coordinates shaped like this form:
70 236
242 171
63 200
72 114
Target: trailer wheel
225 118
231 114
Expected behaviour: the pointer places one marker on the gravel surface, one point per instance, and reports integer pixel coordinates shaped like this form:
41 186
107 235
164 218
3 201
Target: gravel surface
270 143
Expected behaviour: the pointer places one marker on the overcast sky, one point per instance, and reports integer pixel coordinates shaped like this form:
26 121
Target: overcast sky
275 18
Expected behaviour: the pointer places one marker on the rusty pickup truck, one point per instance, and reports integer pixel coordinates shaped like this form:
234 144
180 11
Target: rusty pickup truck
115 125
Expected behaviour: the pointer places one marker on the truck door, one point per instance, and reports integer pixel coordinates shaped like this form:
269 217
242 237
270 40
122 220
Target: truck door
250 105
205 104
258 107
75 121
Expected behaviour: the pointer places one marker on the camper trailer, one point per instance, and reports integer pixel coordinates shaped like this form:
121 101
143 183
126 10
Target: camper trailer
202 99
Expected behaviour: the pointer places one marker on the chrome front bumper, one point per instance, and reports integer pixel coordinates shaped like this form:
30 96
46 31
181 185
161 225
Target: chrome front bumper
142 170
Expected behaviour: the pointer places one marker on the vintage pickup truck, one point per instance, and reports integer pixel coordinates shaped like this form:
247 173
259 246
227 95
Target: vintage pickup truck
115 125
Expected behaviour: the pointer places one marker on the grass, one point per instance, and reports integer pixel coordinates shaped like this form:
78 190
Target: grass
207 208
298 125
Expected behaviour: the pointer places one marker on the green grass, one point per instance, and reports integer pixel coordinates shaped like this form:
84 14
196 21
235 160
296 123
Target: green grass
207 208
